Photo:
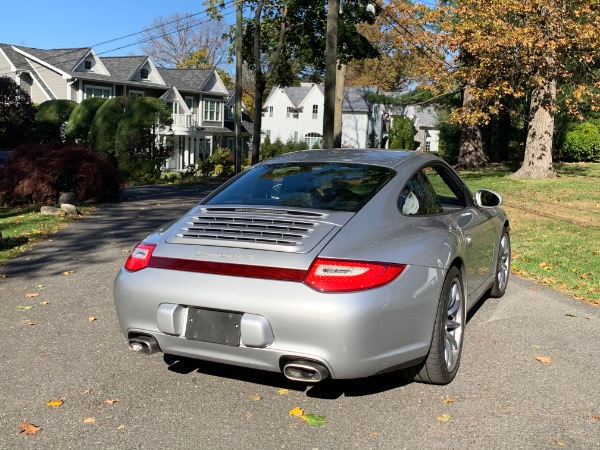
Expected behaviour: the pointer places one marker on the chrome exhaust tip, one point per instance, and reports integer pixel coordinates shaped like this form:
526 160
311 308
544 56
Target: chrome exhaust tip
305 371
144 344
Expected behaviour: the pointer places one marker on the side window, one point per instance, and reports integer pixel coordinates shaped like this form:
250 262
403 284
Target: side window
428 192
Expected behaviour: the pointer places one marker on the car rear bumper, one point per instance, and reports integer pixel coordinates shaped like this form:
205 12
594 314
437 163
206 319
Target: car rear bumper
353 335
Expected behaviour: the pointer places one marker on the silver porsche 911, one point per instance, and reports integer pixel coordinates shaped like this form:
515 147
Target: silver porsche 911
322 263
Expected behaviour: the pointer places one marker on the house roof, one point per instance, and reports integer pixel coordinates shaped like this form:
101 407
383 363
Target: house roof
63 59
186 79
355 98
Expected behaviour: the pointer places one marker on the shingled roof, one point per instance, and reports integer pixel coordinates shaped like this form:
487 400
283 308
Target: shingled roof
186 79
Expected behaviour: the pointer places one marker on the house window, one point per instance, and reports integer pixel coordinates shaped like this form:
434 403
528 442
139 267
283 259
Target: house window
427 146
313 140
287 114
174 107
315 113
231 143
212 111
230 113
87 65
189 101
97 91
270 111
144 74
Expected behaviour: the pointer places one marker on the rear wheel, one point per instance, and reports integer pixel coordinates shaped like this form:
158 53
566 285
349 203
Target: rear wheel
502 266
441 364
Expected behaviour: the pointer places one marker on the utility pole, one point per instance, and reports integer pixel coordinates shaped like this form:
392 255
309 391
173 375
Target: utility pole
238 87
333 11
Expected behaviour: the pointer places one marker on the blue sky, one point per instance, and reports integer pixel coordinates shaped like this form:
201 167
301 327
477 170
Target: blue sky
48 24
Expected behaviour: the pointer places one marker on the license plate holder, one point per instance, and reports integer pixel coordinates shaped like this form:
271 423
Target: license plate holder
219 327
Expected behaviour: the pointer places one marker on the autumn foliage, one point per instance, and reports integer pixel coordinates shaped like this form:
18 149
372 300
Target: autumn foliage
38 173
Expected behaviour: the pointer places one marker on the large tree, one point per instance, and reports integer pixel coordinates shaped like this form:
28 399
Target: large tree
16 113
174 40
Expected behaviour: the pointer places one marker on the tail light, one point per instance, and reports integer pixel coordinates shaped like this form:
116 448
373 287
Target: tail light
338 275
140 257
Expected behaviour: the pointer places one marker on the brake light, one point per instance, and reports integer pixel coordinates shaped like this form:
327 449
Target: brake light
338 275
140 257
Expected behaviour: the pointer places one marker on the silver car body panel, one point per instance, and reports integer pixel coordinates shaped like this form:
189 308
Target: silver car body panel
353 334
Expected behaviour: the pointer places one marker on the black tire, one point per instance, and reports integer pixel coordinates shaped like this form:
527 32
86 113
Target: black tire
502 269
441 364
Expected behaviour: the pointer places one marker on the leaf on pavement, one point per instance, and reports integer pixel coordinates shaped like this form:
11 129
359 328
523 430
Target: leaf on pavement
55 403
31 295
28 428
314 421
296 412
121 427
444 417
3 276
89 420
570 315
44 303
30 322
68 272
283 392
87 391
110 401
91 319
595 418
24 307
256 397
543 359
41 286
449 400
560 443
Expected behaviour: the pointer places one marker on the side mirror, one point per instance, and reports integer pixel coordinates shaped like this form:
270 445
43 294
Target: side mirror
485 198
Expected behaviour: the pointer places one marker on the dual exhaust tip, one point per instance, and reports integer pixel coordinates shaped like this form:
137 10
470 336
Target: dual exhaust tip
305 371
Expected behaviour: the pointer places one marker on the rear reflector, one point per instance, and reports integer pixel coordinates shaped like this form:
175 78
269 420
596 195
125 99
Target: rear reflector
140 257
338 275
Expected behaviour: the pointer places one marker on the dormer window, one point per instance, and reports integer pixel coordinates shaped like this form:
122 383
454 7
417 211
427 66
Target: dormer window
144 74
87 65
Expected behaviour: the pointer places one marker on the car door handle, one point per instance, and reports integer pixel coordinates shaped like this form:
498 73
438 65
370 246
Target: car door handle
468 241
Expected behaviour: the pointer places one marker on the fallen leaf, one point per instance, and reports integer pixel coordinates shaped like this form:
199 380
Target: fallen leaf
444 417
283 392
543 264
110 401
28 428
30 323
584 276
595 418
535 346
296 412
33 294
87 391
373 434
126 251
89 420
560 443
570 315
41 286
24 307
121 427
55 403
256 397
248 415
543 359
44 303
3 276
449 400
68 272
314 421
91 319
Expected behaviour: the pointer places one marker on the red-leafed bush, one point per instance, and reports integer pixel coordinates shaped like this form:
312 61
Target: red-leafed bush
38 173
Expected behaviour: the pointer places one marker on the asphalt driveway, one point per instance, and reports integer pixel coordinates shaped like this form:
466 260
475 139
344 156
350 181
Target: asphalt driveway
68 347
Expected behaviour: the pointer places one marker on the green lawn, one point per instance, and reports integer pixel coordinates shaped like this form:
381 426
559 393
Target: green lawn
555 226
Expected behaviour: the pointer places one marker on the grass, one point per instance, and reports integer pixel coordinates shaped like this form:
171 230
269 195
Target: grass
555 226
22 227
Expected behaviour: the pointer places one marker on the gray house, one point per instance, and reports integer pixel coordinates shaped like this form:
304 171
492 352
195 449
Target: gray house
199 100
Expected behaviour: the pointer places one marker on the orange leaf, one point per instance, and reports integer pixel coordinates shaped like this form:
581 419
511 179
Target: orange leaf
89 420
449 400
34 294
543 359
28 428
110 401
68 272
44 303
91 319
560 443
55 403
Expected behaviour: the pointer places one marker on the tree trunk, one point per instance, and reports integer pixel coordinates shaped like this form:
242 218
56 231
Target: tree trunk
471 152
339 103
260 86
538 148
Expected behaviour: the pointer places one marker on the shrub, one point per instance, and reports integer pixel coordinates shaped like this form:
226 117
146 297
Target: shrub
222 162
105 124
51 119
402 134
581 142
80 120
38 173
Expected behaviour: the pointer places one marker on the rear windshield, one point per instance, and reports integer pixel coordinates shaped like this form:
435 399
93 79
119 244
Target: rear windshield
327 186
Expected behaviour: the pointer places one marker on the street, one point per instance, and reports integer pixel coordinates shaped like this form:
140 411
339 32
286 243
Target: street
528 377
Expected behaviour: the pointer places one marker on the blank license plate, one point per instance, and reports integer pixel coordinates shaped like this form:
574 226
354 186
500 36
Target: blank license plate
220 327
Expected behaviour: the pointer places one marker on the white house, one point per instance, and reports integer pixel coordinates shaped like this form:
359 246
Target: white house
198 98
425 121
296 113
